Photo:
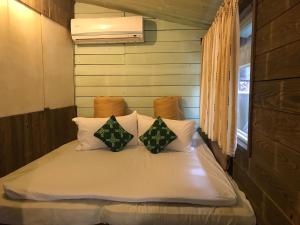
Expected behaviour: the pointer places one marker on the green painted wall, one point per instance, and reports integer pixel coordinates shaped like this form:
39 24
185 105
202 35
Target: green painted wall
168 63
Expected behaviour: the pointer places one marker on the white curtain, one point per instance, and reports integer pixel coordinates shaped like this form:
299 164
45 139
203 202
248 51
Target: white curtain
218 97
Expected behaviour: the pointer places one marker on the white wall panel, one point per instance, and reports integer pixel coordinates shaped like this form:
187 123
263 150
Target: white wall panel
166 46
145 47
138 102
110 49
21 79
138 91
58 65
156 24
174 35
162 58
101 81
36 63
99 59
175 69
190 113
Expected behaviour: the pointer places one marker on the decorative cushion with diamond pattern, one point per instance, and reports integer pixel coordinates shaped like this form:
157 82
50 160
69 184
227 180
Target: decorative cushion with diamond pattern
113 135
158 136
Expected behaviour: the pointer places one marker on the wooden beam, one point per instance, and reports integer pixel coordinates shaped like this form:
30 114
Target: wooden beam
57 10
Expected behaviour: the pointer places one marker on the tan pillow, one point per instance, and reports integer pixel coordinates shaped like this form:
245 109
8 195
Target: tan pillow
105 106
168 107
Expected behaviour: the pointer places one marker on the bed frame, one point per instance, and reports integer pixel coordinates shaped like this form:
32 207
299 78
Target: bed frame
224 160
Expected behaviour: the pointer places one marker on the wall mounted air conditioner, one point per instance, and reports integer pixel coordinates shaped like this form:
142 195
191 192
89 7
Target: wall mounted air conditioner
107 30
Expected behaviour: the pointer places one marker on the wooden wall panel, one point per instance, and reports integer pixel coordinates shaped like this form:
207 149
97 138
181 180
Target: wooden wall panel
281 127
278 190
279 158
167 63
273 215
278 64
91 9
62 11
287 165
34 4
283 30
26 137
267 10
247 185
266 154
273 169
57 10
45 10
281 95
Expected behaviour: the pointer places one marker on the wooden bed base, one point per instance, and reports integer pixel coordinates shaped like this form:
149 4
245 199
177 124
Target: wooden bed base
224 160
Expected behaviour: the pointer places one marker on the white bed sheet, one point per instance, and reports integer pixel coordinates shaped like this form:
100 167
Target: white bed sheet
132 175
88 211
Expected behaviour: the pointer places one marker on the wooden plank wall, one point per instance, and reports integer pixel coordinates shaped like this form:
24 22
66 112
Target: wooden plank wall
26 137
271 177
57 10
168 63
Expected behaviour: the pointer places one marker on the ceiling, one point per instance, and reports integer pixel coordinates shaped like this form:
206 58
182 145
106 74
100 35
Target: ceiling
198 13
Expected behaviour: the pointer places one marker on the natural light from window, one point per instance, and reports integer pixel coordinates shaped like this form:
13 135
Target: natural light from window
244 77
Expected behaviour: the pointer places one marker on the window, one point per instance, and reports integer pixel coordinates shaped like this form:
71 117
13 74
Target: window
243 102
244 76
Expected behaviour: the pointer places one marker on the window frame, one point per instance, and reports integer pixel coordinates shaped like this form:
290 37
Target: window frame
249 6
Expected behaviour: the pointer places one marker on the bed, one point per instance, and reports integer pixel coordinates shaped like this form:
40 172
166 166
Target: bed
234 208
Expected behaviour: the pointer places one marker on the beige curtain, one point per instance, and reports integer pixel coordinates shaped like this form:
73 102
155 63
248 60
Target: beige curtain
218 97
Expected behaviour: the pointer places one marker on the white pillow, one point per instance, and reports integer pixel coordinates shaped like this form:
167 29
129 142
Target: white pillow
184 130
88 126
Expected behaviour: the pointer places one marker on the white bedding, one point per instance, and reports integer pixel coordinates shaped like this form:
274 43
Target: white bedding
132 175
89 211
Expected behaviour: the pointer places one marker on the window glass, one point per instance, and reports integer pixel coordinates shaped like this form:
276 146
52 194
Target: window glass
243 102
244 76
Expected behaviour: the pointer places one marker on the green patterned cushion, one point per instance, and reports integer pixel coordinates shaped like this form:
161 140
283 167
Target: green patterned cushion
113 135
158 136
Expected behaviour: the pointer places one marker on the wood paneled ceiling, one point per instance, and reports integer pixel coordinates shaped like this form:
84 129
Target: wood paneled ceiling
199 13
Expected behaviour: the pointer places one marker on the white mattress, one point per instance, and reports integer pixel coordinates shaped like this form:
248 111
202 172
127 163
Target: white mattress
132 175
88 211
